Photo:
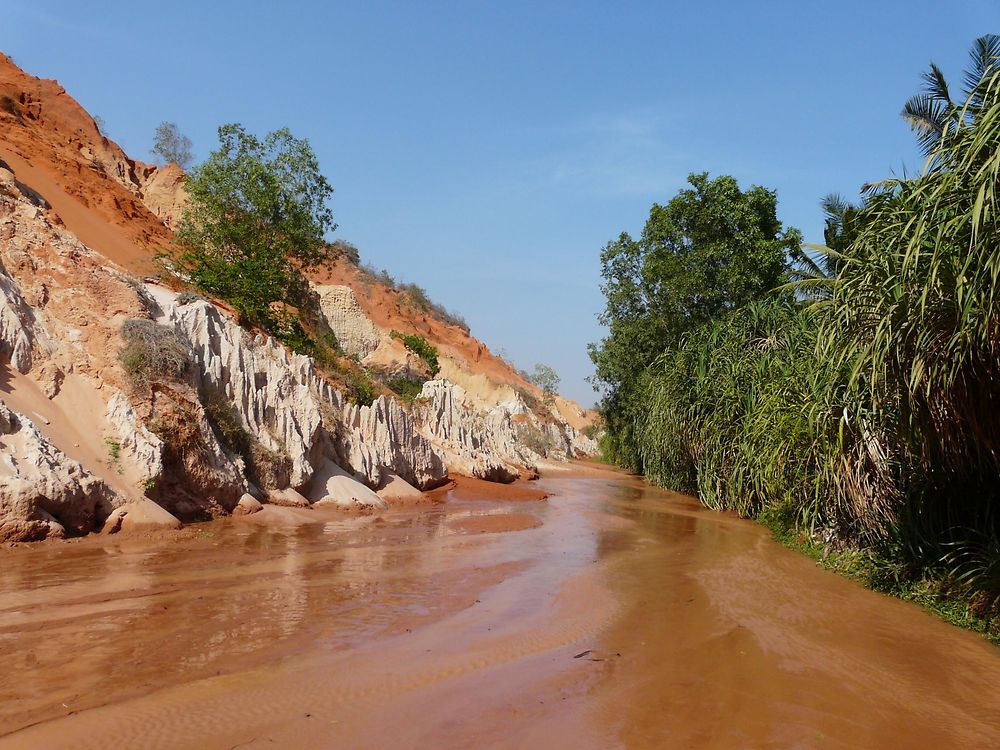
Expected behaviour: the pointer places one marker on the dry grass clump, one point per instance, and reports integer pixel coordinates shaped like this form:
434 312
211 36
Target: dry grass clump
152 353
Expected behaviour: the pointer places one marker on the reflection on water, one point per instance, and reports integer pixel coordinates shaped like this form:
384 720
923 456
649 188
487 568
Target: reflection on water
80 620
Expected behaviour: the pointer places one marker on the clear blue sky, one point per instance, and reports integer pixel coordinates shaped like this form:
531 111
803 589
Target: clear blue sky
488 151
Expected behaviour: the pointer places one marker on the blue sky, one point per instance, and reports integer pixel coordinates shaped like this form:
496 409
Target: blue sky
488 151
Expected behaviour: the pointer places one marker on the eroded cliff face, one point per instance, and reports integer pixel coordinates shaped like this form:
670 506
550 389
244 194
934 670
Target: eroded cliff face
108 444
479 418
286 406
91 441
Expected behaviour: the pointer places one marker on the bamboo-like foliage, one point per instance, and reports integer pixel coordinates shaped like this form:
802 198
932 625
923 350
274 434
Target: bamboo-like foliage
915 318
730 413
873 407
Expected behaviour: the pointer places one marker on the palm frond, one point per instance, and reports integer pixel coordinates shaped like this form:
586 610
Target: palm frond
984 62
928 116
936 85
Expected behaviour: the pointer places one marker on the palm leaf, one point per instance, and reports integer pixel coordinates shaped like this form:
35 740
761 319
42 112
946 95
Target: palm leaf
936 85
983 64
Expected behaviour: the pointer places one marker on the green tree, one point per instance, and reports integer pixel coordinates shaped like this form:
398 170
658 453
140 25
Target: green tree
710 250
171 145
256 218
547 379
932 113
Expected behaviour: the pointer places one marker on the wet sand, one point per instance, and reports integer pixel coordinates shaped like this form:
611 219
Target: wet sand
608 615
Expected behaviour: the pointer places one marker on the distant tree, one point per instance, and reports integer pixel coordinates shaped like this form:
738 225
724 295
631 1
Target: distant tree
256 218
172 146
101 127
548 380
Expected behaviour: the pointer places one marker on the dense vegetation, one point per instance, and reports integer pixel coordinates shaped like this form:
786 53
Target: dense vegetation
712 249
848 395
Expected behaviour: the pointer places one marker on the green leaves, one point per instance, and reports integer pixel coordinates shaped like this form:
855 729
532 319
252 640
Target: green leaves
872 411
257 215
712 249
421 347
933 115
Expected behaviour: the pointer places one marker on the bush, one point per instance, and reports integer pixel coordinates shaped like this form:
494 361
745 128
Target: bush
421 347
407 388
345 250
152 353
535 440
361 389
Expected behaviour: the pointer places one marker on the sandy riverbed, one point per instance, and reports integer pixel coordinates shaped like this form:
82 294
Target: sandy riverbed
608 615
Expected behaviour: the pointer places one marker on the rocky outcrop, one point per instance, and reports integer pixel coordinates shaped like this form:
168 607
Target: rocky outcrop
200 478
495 443
382 437
161 190
482 445
331 485
44 492
139 453
138 516
288 408
136 444
357 335
17 319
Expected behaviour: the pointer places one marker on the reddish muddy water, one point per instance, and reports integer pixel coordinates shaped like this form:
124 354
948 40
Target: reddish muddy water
610 615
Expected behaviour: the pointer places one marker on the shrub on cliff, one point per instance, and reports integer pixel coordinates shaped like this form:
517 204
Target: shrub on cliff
152 353
547 379
421 347
256 219
406 388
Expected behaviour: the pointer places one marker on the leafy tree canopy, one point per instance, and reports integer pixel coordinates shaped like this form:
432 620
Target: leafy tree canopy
711 249
256 217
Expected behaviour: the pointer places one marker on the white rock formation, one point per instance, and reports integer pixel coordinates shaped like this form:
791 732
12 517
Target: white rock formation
291 411
137 445
357 335
139 515
247 505
478 444
331 485
384 437
43 492
493 443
